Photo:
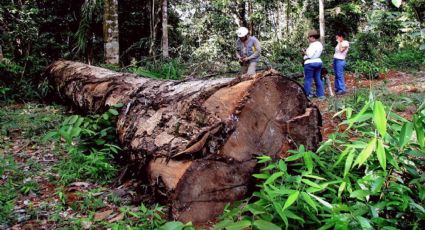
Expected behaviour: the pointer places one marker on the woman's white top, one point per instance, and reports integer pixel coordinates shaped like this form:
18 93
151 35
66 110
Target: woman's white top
313 52
341 54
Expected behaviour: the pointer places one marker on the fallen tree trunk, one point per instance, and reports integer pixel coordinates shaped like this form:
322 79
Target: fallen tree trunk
196 141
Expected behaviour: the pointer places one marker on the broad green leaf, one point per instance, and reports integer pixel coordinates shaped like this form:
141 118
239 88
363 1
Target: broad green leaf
239 225
105 116
223 224
256 209
349 162
311 183
73 119
366 152
380 118
264 159
308 200
341 188
174 225
396 3
364 223
273 177
75 132
342 155
325 203
405 134
261 176
420 131
294 157
49 136
308 161
380 152
293 216
291 199
324 145
66 121
357 117
282 166
265 225
377 184
79 122
278 208
113 111
359 194
314 177
393 161
419 207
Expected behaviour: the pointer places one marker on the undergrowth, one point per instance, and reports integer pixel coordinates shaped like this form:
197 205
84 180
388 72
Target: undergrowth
90 143
368 177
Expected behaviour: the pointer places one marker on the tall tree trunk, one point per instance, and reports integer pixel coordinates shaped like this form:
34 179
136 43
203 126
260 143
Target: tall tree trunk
322 21
251 23
242 13
165 53
111 31
288 12
1 54
196 142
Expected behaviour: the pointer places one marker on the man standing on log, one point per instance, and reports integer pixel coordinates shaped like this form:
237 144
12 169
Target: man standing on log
248 51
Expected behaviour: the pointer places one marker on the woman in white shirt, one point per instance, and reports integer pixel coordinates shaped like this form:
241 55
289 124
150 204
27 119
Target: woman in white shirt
341 51
313 65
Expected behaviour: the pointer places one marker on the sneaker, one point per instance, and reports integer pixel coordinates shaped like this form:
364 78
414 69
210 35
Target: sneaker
340 93
321 98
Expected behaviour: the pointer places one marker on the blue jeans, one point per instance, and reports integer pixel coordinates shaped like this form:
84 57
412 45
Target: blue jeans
312 71
339 66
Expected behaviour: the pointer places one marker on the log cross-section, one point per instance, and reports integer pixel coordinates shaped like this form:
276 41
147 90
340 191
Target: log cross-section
196 141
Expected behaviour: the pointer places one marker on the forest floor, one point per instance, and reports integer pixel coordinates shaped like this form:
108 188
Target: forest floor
31 196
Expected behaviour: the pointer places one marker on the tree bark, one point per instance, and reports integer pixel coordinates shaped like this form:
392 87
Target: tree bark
111 32
322 21
196 142
165 53
1 54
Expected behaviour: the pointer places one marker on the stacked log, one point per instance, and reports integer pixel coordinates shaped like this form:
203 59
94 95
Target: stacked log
197 140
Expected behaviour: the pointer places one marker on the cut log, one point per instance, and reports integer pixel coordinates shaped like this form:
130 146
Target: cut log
197 141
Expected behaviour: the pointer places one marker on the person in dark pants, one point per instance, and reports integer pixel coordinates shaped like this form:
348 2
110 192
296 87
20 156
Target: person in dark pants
313 65
339 63
248 51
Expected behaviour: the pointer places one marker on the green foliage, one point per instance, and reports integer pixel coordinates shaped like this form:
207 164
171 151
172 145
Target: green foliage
368 69
88 202
170 69
91 144
147 218
406 59
288 58
8 189
366 47
28 120
366 177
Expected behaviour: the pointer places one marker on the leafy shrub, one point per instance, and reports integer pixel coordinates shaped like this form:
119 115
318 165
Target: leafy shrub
365 47
408 58
166 69
30 121
286 58
91 144
368 69
8 190
364 178
148 218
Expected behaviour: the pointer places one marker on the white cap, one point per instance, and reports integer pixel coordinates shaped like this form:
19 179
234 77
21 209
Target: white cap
242 32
